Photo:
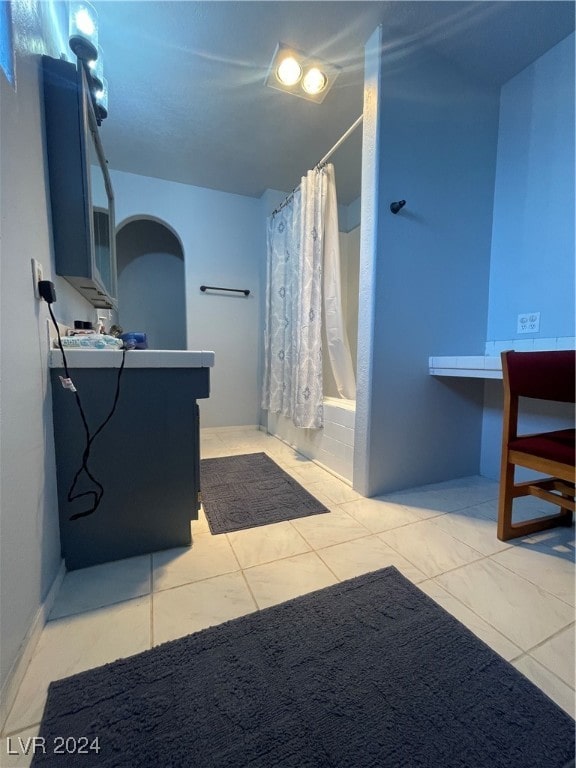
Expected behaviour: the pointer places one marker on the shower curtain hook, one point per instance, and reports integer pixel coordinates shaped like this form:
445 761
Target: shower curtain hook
395 207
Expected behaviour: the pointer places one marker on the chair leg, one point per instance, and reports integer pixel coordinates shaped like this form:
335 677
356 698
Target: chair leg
506 529
567 514
505 500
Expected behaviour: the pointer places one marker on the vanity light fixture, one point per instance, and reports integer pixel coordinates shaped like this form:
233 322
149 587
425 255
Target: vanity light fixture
83 30
295 72
101 98
83 40
96 70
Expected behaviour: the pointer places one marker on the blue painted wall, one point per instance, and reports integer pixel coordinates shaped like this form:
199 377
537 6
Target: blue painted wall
532 263
151 294
29 542
224 242
438 134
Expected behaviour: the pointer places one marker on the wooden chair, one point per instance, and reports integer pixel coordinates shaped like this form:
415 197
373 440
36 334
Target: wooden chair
545 376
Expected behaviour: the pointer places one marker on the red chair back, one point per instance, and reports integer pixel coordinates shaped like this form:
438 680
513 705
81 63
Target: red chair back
543 375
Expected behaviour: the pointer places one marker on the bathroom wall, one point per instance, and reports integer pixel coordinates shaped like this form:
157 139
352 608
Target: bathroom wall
426 286
151 291
532 259
350 249
29 532
349 215
224 238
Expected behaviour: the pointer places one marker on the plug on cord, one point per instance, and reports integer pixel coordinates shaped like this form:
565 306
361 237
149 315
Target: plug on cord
47 291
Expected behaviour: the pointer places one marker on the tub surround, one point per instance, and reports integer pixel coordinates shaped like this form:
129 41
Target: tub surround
331 447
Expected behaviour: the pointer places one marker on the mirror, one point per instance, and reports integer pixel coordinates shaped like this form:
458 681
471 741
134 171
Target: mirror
101 222
101 201
81 195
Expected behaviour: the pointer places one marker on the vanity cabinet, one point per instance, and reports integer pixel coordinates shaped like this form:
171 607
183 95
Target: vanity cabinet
81 195
147 458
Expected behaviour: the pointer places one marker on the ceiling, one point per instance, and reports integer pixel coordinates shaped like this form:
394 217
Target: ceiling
187 100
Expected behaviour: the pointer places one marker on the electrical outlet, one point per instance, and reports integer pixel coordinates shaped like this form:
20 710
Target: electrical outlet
528 322
37 275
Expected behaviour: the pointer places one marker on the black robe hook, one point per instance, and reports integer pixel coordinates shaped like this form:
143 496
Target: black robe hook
395 207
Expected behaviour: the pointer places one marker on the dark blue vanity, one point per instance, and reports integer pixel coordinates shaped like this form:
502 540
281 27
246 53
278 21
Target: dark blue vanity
147 458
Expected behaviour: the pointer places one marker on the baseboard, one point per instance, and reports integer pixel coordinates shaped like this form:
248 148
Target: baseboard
16 674
234 428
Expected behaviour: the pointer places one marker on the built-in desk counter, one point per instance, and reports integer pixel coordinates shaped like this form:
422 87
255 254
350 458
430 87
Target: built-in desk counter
468 366
489 365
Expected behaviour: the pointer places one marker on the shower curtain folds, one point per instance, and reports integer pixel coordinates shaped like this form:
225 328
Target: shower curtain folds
307 372
303 263
336 336
283 240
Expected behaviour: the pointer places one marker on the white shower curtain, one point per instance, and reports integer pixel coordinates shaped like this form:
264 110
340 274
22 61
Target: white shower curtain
338 345
293 325
283 238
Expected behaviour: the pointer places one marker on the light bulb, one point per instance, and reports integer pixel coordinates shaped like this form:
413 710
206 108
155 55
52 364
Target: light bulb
314 81
101 95
289 71
84 22
96 67
83 31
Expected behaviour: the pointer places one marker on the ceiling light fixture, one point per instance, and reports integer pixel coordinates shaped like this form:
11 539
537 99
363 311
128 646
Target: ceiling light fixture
314 81
295 72
289 71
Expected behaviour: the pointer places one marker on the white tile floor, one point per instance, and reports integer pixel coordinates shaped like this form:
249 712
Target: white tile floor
517 596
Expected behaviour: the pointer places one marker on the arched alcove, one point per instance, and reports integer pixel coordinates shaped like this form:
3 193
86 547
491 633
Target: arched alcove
151 288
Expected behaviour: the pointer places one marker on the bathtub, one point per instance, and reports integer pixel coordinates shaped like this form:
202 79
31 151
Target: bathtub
339 403
331 447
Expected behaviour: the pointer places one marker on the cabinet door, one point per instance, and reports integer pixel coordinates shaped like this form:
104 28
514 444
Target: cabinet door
146 459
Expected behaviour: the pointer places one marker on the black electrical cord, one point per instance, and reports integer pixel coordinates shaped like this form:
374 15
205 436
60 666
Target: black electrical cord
97 495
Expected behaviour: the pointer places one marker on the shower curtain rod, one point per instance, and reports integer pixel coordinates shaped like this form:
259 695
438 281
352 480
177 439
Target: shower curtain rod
340 141
324 160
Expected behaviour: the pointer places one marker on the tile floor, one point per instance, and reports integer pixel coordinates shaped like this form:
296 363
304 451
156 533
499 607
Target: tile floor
517 596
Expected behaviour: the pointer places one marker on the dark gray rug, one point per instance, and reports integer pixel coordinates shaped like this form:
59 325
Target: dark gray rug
369 673
251 490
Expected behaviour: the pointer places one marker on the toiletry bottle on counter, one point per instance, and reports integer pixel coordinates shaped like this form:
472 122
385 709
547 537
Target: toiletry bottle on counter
135 340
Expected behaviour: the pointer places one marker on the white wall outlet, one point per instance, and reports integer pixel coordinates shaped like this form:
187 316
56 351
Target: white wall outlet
528 322
37 275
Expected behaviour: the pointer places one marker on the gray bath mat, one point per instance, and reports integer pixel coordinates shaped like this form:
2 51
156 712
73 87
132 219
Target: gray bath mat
250 490
369 673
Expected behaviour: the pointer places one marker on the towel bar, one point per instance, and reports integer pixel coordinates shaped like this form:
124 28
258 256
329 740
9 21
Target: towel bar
245 291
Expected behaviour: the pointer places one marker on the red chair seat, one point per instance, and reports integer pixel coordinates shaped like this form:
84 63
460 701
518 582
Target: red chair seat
556 446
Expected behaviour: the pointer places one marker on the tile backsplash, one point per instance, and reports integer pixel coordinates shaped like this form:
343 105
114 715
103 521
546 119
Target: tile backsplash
529 345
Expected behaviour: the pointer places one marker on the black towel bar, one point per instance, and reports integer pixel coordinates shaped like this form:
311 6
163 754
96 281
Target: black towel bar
245 291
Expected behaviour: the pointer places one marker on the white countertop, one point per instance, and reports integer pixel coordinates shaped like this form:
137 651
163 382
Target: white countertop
136 358
469 366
